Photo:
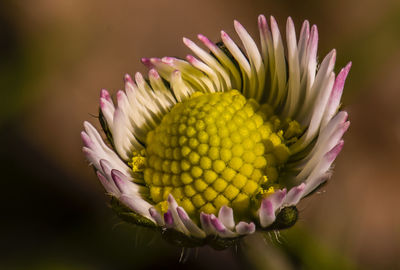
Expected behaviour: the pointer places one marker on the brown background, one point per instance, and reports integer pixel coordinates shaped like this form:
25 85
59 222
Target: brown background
56 56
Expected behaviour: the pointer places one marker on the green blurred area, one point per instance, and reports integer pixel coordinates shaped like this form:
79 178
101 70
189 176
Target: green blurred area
56 55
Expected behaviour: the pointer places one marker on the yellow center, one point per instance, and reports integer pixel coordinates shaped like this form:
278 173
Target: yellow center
213 150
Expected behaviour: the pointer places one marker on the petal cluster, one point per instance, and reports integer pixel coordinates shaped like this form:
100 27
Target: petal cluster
291 83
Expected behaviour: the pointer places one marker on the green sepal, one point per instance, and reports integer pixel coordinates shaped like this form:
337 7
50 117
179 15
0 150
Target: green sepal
127 215
182 240
105 128
285 219
219 243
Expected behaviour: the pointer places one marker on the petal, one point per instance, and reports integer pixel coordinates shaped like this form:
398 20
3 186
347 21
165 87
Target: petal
156 216
334 99
292 101
213 82
224 59
220 228
189 224
280 64
181 89
212 63
295 194
96 149
168 219
245 228
130 194
269 206
172 208
257 79
319 172
303 40
225 215
205 221
109 186
266 213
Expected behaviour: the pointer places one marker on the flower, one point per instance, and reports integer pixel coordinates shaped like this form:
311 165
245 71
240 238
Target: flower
224 143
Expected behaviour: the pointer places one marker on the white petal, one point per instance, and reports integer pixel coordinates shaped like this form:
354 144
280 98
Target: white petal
156 216
245 228
257 65
212 82
268 55
220 228
311 99
97 149
172 208
292 100
266 213
225 215
322 168
308 66
205 221
189 224
181 89
130 194
316 116
334 99
190 74
303 40
109 186
224 59
248 85
323 145
280 63
269 206
212 62
294 195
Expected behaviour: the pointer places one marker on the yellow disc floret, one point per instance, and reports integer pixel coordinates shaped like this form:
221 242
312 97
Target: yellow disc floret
213 150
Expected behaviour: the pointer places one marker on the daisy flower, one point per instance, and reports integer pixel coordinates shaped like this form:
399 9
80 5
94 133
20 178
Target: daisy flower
226 142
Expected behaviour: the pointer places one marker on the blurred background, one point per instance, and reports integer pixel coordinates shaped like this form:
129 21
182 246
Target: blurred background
55 56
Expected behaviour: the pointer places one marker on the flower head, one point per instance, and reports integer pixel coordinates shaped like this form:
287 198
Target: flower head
226 142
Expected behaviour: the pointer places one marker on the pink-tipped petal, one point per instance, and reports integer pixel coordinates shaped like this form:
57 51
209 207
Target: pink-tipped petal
331 155
220 228
168 219
128 78
172 207
147 62
189 224
245 228
295 194
108 186
322 168
156 216
336 95
340 80
205 221
225 215
262 21
124 183
153 73
86 140
278 198
106 166
266 213
269 206
104 94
